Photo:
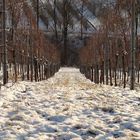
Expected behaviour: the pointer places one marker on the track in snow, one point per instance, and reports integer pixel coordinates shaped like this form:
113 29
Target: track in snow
68 106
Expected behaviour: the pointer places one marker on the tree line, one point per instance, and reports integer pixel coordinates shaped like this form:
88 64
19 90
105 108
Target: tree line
112 54
25 51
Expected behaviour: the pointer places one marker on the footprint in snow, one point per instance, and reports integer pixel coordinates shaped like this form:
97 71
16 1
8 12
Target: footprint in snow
118 134
57 118
47 129
130 126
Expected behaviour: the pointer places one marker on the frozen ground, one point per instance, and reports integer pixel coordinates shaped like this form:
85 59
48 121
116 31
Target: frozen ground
68 106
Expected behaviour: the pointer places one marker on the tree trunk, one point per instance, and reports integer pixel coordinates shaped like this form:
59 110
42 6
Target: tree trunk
124 72
133 45
5 66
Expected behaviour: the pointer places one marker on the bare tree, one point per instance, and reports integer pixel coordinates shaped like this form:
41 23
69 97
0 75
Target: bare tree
5 69
133 44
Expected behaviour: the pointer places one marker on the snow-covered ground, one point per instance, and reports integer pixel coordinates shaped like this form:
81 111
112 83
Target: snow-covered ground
68 106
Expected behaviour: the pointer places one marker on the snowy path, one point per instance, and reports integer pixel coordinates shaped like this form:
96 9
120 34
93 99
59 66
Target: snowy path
68 106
